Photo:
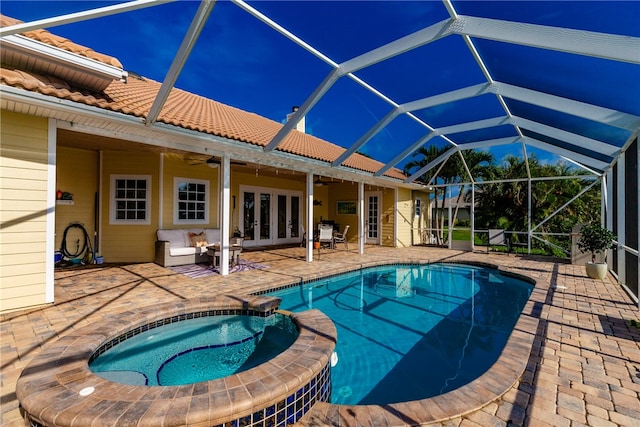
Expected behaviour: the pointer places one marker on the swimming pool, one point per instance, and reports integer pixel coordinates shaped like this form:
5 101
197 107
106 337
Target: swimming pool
409 332
196 349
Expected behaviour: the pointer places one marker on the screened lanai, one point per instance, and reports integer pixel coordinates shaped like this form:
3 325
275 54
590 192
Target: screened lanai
551 80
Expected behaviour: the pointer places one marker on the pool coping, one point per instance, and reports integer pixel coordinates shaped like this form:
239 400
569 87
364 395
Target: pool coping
490 386
51 387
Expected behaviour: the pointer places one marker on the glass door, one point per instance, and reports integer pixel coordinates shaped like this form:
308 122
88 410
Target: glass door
372 217
270 216
264 221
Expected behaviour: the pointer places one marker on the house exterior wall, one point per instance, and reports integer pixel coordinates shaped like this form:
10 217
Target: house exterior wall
387 221
128 242
175 167
342 192
24 168
421 223
404 212
253 180
77 172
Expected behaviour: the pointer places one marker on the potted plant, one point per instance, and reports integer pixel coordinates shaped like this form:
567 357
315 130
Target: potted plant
596 239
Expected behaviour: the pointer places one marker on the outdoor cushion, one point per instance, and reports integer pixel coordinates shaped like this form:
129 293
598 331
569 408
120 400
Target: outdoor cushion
197 240
174 237
187 251
213 235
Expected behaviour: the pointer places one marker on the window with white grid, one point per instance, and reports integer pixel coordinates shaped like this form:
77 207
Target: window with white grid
191 201
130 199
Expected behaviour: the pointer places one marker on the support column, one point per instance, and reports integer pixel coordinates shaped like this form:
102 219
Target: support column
396 219
225 223
473 216
529 217
620 200
309 218
449 222
50 233
361 225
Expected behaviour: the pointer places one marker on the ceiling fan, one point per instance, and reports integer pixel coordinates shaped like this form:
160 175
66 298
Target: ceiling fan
212 162
319 182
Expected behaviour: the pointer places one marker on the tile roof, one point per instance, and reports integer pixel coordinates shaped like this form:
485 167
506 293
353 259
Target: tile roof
45 36
182 109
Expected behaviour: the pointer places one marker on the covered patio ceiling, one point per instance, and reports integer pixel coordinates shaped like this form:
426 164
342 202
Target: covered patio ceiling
557 79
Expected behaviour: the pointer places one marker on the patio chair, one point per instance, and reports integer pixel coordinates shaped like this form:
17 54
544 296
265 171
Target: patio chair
325 235
341 237
497 237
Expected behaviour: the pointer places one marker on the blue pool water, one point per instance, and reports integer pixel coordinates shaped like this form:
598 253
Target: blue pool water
412 332
195 350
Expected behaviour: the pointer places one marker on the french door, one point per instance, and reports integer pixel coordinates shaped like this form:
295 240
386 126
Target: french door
372 217
270 216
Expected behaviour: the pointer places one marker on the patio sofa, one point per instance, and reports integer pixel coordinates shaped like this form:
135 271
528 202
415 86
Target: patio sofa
184 246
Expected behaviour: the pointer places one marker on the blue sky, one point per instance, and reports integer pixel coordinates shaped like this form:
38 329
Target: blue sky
242 62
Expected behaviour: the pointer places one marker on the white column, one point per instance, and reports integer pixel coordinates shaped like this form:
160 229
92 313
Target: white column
160 191
50 233
396 218
361 213
309 218
530 189
473 216
225 196
607 207
620 200
450 234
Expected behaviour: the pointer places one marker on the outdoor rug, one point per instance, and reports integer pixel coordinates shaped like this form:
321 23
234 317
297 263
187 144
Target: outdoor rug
196 271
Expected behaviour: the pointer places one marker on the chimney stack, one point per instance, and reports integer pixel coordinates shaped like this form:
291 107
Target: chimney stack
300 126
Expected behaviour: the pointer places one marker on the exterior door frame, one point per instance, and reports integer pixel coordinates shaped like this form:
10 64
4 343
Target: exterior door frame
273 215
373 234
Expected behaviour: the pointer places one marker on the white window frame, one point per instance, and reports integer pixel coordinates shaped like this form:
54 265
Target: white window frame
113 202
177 181
418 207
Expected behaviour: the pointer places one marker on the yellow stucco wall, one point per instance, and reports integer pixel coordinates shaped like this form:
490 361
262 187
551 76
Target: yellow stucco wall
343 192
77 173
404 217
174 167
421 223
129 242
23 210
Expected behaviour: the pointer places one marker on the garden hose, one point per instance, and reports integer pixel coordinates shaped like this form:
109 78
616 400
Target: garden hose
83 249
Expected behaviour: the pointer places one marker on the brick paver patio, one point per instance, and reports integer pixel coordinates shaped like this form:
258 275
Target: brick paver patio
584 368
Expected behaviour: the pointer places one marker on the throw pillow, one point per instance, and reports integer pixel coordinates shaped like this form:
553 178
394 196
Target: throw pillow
198 240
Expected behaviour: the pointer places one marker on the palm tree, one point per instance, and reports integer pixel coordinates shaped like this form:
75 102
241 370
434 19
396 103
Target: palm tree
451 172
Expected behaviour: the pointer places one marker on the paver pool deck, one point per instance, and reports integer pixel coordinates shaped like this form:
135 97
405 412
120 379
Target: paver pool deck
583 369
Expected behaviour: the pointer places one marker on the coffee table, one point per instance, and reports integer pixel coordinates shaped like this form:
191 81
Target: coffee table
215 250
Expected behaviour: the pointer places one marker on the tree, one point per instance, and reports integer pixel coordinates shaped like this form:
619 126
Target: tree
510 198
451 172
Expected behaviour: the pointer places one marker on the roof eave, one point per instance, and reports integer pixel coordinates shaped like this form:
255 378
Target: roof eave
99 73
122 126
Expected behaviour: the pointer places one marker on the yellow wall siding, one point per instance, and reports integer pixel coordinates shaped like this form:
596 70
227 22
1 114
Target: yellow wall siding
128 242
387 214
176 167
23 210
404 217
77 173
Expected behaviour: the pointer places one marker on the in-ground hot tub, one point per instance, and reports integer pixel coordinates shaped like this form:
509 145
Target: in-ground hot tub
58 389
